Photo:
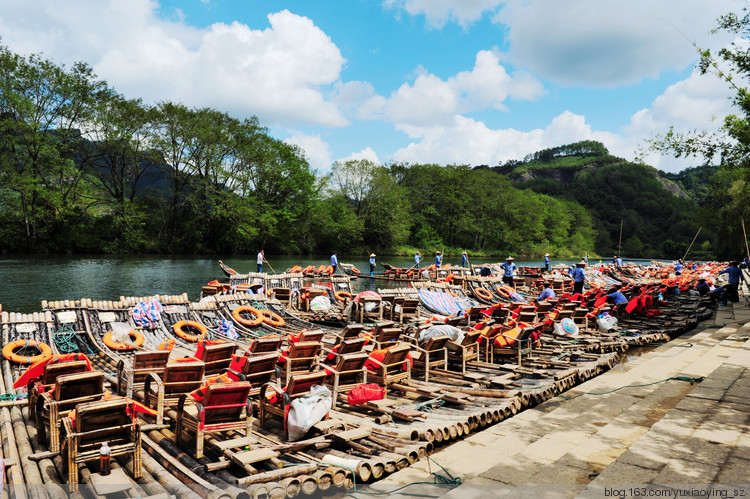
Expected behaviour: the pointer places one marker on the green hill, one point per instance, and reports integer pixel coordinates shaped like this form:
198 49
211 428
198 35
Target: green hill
658 211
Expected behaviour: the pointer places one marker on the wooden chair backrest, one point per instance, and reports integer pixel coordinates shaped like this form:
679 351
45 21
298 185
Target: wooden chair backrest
300 384
352 331
436 343
410 305
73 386
351 345
303 350
380 326
543 306
526 316
470 337
389 334
395 356
260 369
500 313
183 377
224 402
103 421
264 345
351 362
221 351
52 371
315 335
564 314
154 359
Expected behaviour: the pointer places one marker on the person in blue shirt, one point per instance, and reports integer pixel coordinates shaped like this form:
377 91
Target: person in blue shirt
678 267
617 297
485 271
508 268
586 258
334 262
702 287
464 259
579 277
546 262
548 293
618 261
417 259
732 287
372 263
438 260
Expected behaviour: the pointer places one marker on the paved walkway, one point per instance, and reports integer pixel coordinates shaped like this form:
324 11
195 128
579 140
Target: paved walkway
626 442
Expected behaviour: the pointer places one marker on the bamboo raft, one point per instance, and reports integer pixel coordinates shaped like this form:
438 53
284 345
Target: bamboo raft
359 443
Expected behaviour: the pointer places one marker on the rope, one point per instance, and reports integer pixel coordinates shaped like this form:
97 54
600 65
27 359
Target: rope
438 479
691 379
429 404
65 339
12 396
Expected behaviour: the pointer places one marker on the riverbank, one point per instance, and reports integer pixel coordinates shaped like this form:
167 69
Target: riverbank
624 431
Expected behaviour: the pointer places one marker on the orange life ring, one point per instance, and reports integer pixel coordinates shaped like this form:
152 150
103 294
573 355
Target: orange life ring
504 291
138 341
483 294
9 351
237 315
342 295
272 318
181 327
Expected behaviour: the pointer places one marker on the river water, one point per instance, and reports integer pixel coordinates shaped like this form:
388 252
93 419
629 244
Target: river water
26 281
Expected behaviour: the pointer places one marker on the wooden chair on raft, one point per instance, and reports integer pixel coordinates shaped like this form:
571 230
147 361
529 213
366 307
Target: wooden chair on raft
348 372
352 345
376 311
431 355
517 342
264 345
298 359
216 357
351 331
314 335
225 407
387 336
70 390
393 368
464 352
131 377
298 386
48 379
257 370
284 295
112 421
178 378
404 308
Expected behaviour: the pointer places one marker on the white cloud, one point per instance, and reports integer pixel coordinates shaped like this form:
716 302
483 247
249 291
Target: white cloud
366 153
316 150
609 42
438 12
275 73
431 100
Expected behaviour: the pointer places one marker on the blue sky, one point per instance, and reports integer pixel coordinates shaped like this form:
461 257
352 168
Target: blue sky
430 81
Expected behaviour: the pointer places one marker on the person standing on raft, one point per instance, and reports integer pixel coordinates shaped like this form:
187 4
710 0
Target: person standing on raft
417 259
508 268
372 263
464 259
732 287
579 277
438 260
260 260
334 262
546 262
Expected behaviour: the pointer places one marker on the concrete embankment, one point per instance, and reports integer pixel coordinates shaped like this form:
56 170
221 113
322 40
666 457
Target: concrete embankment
643 425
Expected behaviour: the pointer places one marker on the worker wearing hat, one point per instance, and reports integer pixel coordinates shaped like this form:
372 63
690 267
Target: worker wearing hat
372 263
464 259
546 262
417 259
438 259
579 277
508 269
703 288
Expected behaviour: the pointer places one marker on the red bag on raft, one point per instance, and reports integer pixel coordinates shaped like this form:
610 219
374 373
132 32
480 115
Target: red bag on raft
364 393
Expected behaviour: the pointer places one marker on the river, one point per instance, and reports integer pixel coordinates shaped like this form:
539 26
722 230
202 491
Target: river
26 281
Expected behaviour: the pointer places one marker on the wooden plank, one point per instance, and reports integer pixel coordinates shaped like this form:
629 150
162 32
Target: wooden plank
253 456
328 424
380 405
354 434
235 443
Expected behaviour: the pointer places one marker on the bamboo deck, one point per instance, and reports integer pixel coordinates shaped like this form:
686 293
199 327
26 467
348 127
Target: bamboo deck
362 443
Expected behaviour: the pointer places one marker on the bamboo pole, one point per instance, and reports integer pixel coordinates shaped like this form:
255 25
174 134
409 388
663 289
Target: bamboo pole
691 244
268 476
619 244
744 232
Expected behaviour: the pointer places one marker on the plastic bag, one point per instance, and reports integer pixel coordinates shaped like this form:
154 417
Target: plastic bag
451 332
305 411
320 304
566 327
121 332
606 323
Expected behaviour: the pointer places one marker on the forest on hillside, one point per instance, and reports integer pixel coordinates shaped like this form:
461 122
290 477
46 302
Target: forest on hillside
85 170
